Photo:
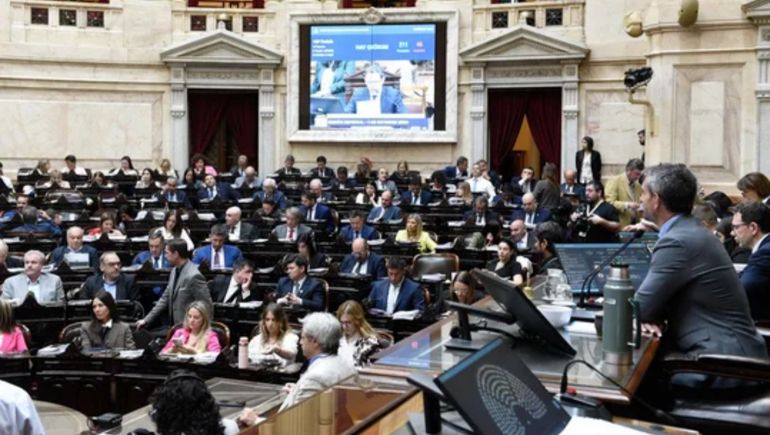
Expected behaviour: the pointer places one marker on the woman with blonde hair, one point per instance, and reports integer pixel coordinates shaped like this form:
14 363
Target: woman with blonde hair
275 341
414 234
196 335
359 341
463 195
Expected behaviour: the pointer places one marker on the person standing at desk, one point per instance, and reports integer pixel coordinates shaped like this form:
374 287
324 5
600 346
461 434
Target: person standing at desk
17 412
44 286
375 98
691 286
105 330
185 285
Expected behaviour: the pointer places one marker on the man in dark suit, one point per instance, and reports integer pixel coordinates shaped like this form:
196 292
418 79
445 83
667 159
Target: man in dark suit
397 292
288 168
292 229
459 171
386 211
312 211
751 226
211 190
520 236
317 187
37 222
526 181
236 229
691 284
570 185
171 194
119 285
248 180
269 192
390 100
416 195
530 213
363 262
358 228
217 254
70 253
321 170
297 289
154 253
235 288
480 216
185 285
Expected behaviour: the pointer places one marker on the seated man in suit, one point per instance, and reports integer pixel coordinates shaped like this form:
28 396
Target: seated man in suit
22 201
530 213
44 286
397 293
217 254
416 195
570 185
526 181
321 170
459 171
297 289
288 167
211 190
235 288
520 236
480 216
363 262
316 186
236 229
154 253
358 228
315 212
270 192
546 235
71 168
7 261
292 229
248 180
171 194
119 285
185 285
480 184
751 226
376 96
38 222
386 212
75 252
342 181
691 285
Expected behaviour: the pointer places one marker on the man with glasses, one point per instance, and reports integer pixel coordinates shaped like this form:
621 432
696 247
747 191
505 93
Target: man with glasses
119 285
751 227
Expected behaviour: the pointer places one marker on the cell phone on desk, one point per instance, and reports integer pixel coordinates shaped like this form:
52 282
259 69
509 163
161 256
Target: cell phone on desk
177 342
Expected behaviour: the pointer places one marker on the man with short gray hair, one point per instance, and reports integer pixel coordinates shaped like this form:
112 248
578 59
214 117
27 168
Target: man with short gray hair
44 286
292 229
270 192
119 285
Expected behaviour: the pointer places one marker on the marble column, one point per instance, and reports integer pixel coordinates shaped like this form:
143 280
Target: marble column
569 104
478 111
763 107
180 146
267 137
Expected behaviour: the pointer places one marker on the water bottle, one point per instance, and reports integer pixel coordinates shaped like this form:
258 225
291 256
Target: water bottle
620 309
243 352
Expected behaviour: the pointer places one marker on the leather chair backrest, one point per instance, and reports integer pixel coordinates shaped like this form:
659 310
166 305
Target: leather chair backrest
70 333
445 263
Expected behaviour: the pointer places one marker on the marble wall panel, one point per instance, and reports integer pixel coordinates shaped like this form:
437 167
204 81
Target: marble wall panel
707 123
619 123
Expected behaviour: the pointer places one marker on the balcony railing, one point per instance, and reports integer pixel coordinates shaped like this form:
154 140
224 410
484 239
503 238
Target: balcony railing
363 4
192 16
541 14
83 14
227 4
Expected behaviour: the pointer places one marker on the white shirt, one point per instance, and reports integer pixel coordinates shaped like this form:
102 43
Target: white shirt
347 348
78 170
34 287
231 289
482 185
759 242
235 234
586 174
361 268
257 348
392 297
17 412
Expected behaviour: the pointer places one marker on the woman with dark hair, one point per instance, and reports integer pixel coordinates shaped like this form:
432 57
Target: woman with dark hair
506 265
11 337
189 181
547 192
463 289
755 186
588 162
183 404
105 330
307 248
369 196
146 180
173 228
275 341
721 203
126 167
200 168
107 225
401 174
99 181
359 341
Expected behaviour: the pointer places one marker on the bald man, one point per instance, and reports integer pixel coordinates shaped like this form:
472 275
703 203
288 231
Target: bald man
530 212
237 230
316 186
363 262
570 185
76 253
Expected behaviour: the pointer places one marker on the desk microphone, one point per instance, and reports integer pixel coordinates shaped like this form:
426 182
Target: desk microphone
586 287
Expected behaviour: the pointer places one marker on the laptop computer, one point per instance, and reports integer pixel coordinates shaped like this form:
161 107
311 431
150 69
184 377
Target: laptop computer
580 259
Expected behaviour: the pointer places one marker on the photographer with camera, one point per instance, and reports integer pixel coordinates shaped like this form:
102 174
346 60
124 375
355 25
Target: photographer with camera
596 221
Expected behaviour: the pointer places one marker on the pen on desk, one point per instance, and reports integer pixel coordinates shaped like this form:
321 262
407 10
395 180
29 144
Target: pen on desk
232 404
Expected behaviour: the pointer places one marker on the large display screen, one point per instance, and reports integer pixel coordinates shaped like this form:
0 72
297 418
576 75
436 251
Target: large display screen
372 77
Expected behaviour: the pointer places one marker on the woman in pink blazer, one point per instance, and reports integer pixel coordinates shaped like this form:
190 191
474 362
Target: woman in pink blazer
11 337
196 335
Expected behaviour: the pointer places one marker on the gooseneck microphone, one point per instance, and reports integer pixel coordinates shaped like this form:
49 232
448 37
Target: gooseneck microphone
586 287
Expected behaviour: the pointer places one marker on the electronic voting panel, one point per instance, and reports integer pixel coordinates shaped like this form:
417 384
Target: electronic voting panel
578 260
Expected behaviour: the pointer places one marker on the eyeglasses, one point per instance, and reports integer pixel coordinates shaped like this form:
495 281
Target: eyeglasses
736 226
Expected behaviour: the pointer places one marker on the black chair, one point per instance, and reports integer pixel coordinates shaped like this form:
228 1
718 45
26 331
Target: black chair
71 333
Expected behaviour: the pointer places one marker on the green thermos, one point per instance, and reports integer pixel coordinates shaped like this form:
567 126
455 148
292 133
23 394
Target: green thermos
620 309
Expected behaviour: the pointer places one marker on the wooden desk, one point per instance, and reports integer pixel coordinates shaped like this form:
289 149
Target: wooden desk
425 351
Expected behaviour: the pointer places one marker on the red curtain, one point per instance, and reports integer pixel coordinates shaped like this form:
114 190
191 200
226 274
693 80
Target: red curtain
206 111
506 111
544 116
242 121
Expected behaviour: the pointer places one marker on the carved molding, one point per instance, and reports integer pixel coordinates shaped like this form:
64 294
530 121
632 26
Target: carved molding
222 75
372 16
477 115
570 114
540 72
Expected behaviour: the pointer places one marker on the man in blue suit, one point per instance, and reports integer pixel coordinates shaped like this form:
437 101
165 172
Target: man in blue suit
211 189
312 211
570 185
217 254
751 226
480 215
386 211
416 195
459 171
297 289
171 194
389 98
358 228
338 69
75 246
154 254
397 293
530 213
269 191
362 262
31 224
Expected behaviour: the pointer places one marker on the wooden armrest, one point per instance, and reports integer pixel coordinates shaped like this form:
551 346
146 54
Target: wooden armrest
733 366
